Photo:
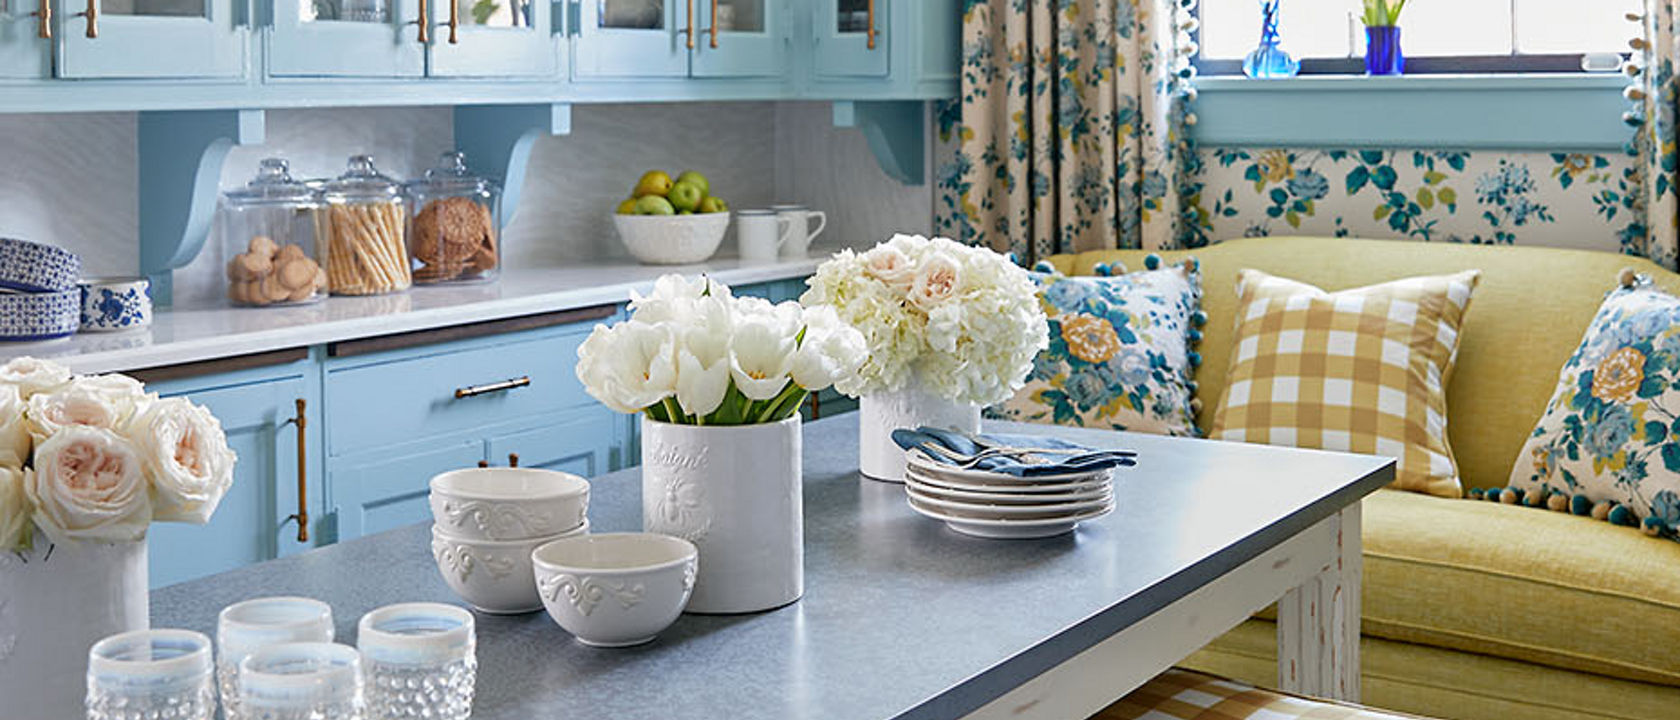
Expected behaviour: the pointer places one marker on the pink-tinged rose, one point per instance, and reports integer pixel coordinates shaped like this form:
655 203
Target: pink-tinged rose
187 457
15 510
14 428
891 266
32 375
50 412
89 484
939 280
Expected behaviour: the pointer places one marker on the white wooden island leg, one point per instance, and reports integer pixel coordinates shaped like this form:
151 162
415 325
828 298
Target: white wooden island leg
1318 622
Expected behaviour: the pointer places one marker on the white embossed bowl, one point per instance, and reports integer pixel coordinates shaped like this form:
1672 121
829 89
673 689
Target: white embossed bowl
616 589
672 239
508 503
493 576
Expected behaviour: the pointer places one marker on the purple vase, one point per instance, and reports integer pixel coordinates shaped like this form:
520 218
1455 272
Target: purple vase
1382 50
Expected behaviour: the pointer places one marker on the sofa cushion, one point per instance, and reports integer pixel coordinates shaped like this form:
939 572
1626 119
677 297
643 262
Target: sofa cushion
1612 430
1119 355
1532 305
1362 370
1522 583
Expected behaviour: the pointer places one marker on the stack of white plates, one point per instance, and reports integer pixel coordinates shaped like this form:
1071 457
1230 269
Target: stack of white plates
995 505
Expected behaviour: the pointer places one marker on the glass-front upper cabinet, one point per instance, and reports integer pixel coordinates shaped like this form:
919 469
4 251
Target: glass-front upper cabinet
26 29
151 38
739 38
364 38
494 38
851 38
632 38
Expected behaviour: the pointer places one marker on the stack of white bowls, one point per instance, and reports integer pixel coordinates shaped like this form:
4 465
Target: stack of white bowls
486 522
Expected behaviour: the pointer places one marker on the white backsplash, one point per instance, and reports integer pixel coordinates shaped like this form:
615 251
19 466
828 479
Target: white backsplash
71 179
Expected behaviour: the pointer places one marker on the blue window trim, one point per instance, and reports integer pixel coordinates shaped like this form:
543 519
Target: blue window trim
1551 112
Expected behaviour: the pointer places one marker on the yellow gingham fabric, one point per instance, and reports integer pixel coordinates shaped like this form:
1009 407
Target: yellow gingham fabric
1362 370
1185 695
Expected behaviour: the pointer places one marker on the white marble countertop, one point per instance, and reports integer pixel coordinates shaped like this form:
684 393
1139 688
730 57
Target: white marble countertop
188 334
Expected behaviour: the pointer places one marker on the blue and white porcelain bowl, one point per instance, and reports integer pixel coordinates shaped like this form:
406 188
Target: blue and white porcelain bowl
39 316
33 267
110 304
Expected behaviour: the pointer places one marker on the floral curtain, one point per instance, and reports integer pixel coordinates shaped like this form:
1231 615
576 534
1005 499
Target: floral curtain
1069 128
1655 165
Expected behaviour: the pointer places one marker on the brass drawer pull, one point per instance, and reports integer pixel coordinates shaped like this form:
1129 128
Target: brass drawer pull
871 29
474 390
302 516
43 28
454 21
423 31
714 28
92 16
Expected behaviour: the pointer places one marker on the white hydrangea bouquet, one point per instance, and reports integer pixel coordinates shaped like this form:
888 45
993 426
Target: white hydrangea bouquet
97 458
963 322
694 354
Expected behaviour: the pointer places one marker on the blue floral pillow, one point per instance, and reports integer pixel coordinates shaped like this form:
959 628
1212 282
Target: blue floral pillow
1611 432
1120 354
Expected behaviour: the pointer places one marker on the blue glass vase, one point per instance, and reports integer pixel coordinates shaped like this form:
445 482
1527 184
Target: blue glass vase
1269 60
1382 50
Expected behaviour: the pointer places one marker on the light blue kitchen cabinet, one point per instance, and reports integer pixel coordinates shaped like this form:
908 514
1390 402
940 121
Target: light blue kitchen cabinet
152 38
851 38
377 491
362 38
740 38
25 39
495 38
256 519
585 443
652 39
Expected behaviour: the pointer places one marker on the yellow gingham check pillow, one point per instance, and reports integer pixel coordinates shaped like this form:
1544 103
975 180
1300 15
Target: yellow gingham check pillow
1361 370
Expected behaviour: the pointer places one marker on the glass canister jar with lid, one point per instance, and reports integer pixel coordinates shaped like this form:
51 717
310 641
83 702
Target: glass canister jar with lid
453 236
363 225
268 230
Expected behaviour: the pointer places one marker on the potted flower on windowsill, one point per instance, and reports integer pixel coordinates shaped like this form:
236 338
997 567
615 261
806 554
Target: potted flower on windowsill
718 381
1382 37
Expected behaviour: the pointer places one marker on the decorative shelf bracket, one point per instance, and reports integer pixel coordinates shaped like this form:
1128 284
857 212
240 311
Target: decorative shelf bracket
180 164
498 140
896 131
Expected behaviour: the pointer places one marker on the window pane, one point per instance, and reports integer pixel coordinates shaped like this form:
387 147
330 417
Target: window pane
1573 26
1464 27
1310 28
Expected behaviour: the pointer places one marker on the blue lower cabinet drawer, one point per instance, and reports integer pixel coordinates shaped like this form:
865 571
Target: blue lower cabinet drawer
588 445
390 491
441 390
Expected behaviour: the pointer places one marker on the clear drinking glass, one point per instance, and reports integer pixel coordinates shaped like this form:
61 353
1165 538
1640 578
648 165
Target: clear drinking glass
149 674
249 626
421 661
302 681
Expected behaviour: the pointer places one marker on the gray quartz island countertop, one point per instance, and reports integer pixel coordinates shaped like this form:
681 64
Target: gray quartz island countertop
902 618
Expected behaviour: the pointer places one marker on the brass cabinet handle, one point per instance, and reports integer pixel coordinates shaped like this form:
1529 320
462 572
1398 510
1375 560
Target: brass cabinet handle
44 18
454 21
92 15
474 390
424 36
870 31
714 28
689 31
513 459
302 516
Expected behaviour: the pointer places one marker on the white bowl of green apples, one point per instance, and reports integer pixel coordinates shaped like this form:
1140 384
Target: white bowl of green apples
672 222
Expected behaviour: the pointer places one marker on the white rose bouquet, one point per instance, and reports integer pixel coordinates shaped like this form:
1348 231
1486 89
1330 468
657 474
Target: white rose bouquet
964 320
97 458
692 353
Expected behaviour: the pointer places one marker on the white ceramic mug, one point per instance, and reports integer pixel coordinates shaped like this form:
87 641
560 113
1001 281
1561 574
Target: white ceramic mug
799 243
761 234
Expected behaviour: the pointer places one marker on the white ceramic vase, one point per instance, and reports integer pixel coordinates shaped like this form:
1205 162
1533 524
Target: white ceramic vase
53 608
911 407
733 491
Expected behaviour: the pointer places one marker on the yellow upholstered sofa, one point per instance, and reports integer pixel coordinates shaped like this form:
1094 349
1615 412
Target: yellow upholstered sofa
1475 610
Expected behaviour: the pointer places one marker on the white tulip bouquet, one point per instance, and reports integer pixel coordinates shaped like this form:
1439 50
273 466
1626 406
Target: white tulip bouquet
694 354
963 320
97 458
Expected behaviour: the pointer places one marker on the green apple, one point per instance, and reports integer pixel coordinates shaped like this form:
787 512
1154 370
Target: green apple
653 182
697 179
685 212
628 207
686 195
654 205
713 205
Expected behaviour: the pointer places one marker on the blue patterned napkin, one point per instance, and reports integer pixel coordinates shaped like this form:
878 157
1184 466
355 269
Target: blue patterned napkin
1030 466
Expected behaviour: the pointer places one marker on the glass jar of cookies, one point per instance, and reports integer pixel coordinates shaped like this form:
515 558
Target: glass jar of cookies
453 236
268 233
363 228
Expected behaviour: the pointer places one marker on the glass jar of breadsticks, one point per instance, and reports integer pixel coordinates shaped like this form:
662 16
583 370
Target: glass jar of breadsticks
362 226
453 234
268 233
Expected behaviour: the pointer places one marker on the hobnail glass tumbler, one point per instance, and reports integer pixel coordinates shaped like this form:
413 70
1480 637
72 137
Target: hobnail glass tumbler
151 675
302 681
249 626
421 661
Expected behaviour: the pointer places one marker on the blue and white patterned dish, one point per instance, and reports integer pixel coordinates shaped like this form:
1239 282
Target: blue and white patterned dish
37 268
39 316
120 303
